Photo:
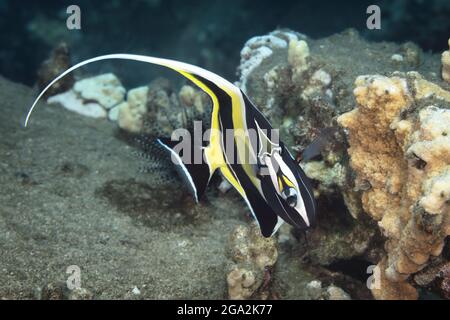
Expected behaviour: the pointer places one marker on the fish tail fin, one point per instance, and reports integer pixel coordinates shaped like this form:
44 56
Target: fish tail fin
194 172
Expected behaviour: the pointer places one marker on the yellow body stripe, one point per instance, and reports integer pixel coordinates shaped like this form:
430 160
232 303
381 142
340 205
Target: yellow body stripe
288 182
214 152
242 140
280 184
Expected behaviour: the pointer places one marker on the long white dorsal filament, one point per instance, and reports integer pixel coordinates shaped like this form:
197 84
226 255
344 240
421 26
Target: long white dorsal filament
176 65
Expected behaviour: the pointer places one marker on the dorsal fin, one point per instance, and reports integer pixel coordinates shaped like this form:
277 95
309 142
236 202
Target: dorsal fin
187 70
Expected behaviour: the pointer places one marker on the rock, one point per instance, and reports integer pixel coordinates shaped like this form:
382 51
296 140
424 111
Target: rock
104 89
136 291
336 293
224 186
314 289
80 294
397 57
57 63
248 245
241 284
252 256
53 291
317 292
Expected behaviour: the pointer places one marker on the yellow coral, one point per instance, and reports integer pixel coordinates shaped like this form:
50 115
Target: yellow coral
424 89
131 112
406 161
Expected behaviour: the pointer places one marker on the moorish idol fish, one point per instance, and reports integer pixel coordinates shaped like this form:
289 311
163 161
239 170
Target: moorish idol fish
262 169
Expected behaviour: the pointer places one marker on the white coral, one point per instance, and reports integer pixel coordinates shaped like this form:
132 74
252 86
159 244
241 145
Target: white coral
71 101
259 48
105 89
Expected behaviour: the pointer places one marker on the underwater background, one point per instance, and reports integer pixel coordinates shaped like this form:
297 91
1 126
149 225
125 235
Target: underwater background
207 33
88 199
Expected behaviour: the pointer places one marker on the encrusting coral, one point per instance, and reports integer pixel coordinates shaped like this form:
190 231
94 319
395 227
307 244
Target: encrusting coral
106 89
252 256
131 112
261 48
70 100
400 148
92 96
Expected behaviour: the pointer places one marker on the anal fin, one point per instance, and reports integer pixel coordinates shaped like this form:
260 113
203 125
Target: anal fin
195 175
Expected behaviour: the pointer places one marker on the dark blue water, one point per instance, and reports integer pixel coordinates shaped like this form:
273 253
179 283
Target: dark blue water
209 33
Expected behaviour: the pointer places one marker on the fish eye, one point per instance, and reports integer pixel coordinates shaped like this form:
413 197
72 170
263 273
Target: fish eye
290 195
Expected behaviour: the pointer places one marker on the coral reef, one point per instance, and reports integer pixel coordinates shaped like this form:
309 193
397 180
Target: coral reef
301 87
396 168
446 64
154 109
377 150
253 256
260 48
400 148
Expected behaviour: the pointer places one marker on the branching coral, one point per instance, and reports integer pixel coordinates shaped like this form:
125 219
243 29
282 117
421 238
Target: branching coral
403 155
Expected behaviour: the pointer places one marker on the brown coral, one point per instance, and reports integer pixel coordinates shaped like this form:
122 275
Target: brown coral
405 158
